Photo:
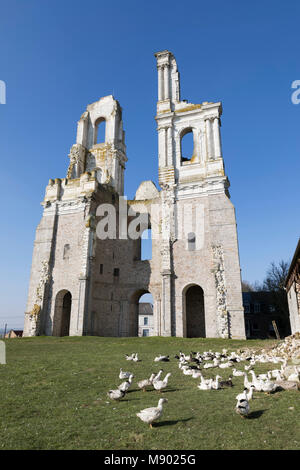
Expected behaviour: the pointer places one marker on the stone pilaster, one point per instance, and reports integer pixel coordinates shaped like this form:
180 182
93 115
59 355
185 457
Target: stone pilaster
209 138
167 237
166 82
217 138
160 83
87 254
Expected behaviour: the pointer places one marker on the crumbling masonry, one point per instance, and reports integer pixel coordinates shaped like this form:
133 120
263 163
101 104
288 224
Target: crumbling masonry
84 283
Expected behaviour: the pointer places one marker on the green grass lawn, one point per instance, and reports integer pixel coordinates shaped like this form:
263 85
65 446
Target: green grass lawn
53 396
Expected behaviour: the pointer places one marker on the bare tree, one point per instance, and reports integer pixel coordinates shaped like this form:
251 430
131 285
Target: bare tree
274 283
249 287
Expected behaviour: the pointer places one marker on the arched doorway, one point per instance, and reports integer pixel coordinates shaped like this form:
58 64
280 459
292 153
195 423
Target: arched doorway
62 314
194 311
146 324
139 297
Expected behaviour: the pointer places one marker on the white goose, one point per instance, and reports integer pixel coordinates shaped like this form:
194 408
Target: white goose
256 382
182 364
149 415
142 384
159 385
116 394
269 387
124 375
205 384
196 374
135 358
242 396
210 365
294 377
124 387
237 373
247 384
187 357
242 407
129 358
216 383
276 372
162 358
226 365
246 394
157 376
250 393
277 375
266 376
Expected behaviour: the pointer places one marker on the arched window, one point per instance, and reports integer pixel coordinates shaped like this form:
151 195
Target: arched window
187 145
100 126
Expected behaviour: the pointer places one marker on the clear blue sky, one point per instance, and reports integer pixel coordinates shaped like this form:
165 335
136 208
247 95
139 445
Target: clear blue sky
59 56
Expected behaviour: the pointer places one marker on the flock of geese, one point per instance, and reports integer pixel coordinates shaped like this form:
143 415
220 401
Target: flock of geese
194 365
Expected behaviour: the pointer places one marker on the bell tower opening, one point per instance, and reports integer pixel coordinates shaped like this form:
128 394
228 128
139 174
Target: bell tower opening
100 128
187 146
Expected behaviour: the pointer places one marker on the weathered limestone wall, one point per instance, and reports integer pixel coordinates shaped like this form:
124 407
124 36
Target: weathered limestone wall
293 296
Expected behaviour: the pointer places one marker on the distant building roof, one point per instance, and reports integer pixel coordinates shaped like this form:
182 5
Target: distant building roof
145 308
14 333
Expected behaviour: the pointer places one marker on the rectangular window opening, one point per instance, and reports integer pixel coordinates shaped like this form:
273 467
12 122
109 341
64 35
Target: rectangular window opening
116 272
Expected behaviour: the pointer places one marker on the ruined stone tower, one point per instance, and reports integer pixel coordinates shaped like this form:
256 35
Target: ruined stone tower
84 283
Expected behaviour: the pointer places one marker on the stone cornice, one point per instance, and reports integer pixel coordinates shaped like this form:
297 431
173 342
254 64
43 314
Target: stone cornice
208 186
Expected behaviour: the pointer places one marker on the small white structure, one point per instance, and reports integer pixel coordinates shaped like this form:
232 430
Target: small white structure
146 323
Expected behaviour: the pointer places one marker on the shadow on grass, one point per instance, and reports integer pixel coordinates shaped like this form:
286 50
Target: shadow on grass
171 423
156 392
256 414
131 399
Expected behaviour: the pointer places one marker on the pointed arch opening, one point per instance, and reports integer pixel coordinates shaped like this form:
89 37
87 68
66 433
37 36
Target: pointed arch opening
194 312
